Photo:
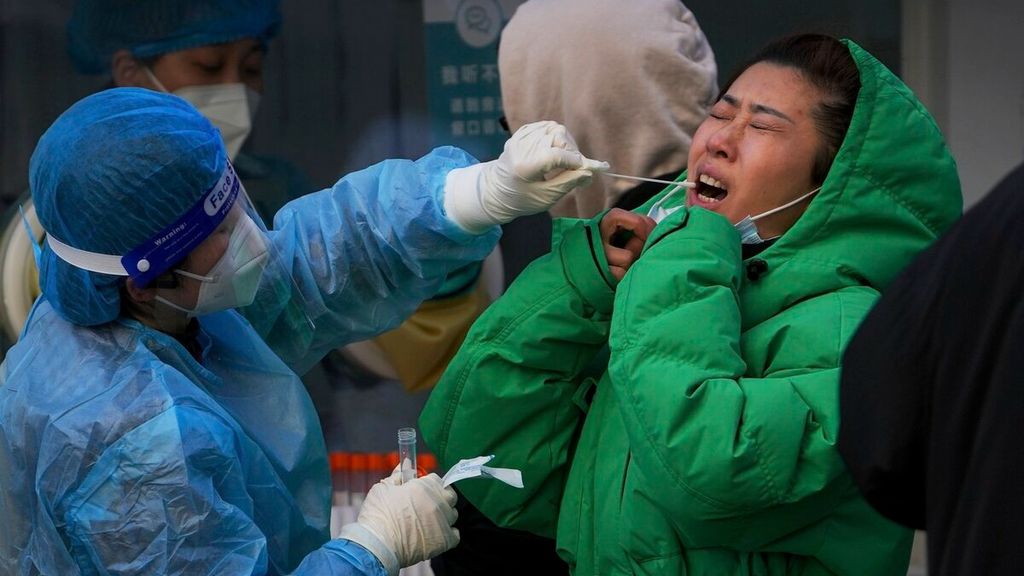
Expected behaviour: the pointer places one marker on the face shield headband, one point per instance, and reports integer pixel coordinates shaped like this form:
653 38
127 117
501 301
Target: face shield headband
167 247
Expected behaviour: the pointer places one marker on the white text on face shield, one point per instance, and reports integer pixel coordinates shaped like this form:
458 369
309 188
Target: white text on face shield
222 191
170 234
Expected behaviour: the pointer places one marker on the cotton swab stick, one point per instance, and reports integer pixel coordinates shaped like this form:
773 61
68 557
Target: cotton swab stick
681 183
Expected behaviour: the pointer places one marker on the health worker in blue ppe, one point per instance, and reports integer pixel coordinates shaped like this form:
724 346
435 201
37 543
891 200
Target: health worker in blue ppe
212 54
209 53
151 419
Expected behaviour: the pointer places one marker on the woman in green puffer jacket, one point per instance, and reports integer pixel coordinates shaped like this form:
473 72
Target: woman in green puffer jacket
672 400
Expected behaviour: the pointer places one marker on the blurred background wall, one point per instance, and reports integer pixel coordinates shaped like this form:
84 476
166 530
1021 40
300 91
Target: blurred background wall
347 86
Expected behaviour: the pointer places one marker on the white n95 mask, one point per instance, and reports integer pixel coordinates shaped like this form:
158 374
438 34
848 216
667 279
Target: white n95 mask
235 278
229 107
748 229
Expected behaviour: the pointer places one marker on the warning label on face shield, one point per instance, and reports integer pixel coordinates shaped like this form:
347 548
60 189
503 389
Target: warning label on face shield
170 245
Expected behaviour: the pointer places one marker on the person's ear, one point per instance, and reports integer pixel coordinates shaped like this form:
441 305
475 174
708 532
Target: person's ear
127 70
137 294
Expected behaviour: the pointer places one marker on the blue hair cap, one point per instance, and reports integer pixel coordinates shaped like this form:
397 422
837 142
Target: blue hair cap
149 28
112 171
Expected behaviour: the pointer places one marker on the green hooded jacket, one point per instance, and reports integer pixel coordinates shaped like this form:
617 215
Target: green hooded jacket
684 421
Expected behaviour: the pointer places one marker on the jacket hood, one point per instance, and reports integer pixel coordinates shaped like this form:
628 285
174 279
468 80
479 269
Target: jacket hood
892 190
619 92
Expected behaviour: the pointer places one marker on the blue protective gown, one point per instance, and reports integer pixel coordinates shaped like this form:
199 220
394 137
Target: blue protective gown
122 454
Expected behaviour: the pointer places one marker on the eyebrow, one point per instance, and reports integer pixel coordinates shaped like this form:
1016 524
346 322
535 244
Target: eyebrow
258 47
757 108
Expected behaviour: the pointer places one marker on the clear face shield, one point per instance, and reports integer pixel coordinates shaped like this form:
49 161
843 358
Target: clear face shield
217 256
223 272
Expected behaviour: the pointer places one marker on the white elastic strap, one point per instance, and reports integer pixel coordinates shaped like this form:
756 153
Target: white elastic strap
784 206
198 277
91 261
153 77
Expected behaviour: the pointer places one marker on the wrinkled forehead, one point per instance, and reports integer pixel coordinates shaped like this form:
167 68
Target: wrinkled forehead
776 86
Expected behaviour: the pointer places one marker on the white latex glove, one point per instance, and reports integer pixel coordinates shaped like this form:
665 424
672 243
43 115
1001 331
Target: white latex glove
402 524
540 164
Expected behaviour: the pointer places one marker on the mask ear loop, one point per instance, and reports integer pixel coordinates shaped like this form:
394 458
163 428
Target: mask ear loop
153 78
784 206
748 230
199 277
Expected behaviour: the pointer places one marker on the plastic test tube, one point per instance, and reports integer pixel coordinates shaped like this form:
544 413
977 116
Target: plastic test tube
358 484
407 453
341 464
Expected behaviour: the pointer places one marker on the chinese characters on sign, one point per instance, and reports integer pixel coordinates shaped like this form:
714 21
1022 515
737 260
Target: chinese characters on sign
472 115
462 63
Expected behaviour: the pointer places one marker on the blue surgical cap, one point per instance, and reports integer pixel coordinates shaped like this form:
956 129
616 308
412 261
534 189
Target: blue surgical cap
149 28
112 171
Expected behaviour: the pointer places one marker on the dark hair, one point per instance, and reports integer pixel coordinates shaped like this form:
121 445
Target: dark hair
827 65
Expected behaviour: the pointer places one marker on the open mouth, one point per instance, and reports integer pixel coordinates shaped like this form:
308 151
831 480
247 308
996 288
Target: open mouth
710 190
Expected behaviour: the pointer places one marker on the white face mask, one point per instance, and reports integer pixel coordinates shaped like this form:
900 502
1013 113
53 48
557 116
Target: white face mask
747 228
235 278
658 212
229 107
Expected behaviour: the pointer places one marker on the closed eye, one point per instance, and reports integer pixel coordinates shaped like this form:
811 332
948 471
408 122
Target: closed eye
210 68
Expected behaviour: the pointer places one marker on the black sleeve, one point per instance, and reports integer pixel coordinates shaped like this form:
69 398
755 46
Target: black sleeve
883 411
930 375
482 542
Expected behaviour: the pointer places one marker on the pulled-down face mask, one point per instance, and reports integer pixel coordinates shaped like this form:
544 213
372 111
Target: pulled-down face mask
748 229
